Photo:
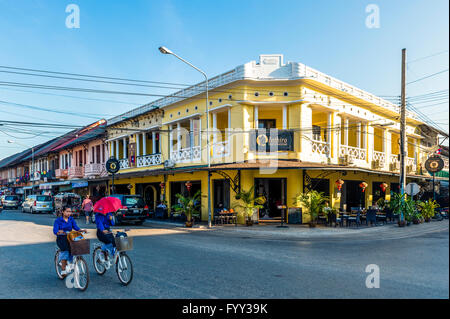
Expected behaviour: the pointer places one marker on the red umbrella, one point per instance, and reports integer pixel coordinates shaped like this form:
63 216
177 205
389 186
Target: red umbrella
107 205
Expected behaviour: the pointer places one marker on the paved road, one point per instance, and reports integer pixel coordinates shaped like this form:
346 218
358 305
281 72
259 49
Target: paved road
175 263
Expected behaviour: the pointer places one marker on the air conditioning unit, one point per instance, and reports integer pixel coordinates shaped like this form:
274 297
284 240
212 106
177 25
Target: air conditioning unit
377 164
394 166
409 169
169 164
345 160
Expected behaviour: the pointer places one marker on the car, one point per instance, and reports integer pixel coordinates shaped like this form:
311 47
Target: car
133 209
11 202
38 204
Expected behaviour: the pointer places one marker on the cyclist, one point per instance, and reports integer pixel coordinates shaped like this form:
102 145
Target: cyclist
65 223
104 223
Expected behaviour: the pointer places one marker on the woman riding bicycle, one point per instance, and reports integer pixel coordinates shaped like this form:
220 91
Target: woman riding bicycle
61 226
104 223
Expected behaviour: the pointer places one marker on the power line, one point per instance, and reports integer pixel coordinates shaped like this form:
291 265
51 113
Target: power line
428 76
428 56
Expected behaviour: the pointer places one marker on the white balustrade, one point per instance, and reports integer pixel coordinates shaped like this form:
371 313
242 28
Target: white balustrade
379 156
149 160
353 152
221 149
321 148
124 163
186 154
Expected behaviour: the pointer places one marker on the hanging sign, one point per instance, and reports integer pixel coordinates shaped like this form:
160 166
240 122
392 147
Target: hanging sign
271 140
434 164
112 165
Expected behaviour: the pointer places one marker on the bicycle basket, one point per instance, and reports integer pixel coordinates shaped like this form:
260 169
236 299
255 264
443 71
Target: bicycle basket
80 247
124 243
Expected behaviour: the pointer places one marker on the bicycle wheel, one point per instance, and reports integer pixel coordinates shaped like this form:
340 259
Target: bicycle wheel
124 269
58 267
81 273
98 265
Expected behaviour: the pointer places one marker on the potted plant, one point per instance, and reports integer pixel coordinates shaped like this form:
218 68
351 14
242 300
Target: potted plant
248 203
381 203
428 208
397 206
314 202
187 205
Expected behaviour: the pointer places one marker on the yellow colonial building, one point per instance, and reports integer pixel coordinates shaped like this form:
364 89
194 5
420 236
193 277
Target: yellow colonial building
282 128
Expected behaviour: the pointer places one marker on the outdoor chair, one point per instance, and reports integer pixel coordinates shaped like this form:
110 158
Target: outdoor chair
336 220
218 217
160 212
371 217
354 218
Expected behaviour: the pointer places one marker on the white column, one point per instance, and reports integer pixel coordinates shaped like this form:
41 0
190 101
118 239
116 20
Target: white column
170 139
178 137
329 120
284 117
358 135
124 141
214 127
144 143
191 133
256 119
138 148
346 128
154 150
364 136
117 149
200 132
101 152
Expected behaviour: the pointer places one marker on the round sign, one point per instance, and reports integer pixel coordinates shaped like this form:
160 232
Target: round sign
412 189
112 165
434 164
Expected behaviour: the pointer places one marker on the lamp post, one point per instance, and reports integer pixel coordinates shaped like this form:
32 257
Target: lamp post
32 160
165 50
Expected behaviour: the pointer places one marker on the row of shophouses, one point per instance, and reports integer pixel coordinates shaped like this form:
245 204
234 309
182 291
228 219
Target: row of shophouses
281 128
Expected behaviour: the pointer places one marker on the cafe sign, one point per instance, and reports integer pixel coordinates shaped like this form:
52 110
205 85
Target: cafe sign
271 140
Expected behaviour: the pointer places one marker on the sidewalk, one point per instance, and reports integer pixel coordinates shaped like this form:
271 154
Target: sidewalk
299 232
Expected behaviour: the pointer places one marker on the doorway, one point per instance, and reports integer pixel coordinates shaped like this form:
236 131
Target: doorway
352 195
221 189
151 193
274 191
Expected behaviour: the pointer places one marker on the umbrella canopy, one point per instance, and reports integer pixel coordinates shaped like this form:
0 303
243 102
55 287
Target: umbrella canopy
107 205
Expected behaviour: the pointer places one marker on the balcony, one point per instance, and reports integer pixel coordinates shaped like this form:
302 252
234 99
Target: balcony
149 160
320 148
221 149
94 169
353 153
61 173
124 163
76 172
186 155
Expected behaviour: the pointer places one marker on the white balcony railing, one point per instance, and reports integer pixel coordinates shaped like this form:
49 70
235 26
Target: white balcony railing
379 156
149 160
93 169
354 153
221 149
76 171
186 154
321 148
124 163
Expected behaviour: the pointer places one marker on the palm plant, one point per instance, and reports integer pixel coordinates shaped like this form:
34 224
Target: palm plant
314 202
248 202
187 205
428 208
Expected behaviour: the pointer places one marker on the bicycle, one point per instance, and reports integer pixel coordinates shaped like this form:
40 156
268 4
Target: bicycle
103 261
78 267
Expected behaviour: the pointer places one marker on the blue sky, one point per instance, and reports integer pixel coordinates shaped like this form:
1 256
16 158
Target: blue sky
120 39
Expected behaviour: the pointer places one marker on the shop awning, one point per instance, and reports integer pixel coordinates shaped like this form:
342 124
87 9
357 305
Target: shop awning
50 185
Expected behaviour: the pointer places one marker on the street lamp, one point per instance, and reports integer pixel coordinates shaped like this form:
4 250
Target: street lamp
32 160
165 50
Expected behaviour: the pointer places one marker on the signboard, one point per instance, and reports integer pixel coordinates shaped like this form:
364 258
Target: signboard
79 184
412 189
112 165
434 164
271 140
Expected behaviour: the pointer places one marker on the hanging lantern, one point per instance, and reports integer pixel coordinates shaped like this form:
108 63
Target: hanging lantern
339 184
162 185
188 185
383 186
363 186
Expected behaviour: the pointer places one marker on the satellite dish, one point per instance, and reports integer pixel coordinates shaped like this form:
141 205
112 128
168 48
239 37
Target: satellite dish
412 189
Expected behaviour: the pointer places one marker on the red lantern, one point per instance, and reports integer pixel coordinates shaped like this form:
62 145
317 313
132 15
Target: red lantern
339 184
188 185
162 185
384 186
363 186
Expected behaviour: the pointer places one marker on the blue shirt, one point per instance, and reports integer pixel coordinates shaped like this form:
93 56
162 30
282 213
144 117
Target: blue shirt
61 224
103 222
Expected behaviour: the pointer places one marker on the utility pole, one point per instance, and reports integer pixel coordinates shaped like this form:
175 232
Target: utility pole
403 128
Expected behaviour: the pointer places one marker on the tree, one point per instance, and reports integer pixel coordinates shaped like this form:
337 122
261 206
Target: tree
248 202
314 202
